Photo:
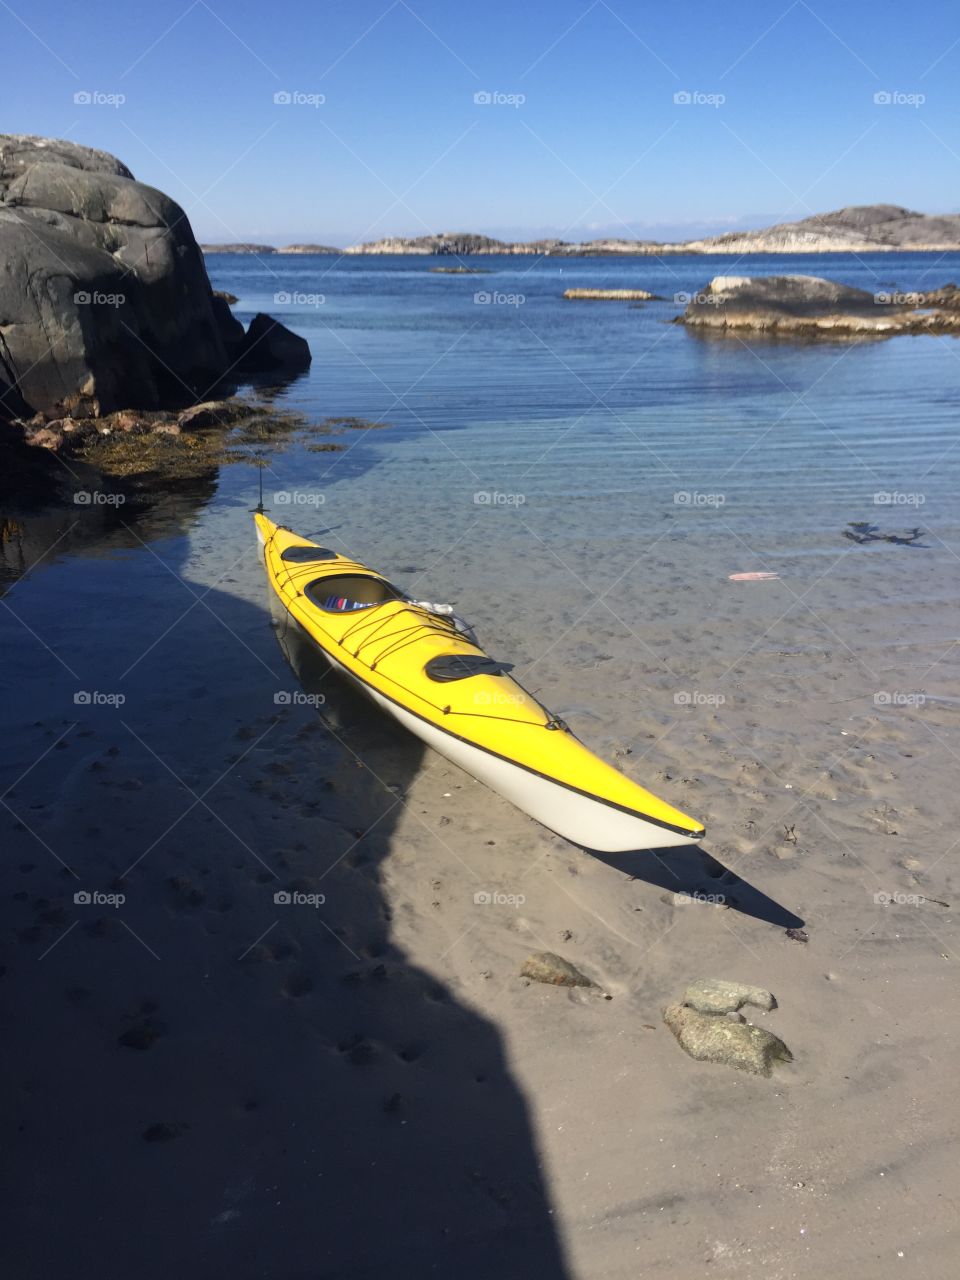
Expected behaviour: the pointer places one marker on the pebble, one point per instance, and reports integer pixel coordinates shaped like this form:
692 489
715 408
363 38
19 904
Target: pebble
709 1038
546 966
716 995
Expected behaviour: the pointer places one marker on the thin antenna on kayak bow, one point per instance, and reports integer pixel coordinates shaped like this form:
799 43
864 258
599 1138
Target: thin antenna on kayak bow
260 455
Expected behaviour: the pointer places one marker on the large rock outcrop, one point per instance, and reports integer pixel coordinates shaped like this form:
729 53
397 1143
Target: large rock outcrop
105 302
811 306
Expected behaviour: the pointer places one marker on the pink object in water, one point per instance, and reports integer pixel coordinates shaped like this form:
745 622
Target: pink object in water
753 577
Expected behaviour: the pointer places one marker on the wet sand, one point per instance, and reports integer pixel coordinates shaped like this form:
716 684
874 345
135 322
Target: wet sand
204 1080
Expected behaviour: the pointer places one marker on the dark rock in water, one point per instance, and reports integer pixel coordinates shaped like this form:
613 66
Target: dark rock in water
104 296
270 345
545 966
712 1038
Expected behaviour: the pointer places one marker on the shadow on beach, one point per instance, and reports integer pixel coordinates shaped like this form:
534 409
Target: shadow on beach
696 875
208 1079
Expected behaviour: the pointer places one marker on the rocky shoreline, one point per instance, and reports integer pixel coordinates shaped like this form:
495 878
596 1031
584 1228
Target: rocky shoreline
880 228
110 328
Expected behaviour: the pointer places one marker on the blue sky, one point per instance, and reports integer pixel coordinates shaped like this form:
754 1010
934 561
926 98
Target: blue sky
582 137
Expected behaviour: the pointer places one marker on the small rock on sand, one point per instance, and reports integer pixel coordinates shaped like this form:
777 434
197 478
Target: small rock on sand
709 1038
545 966
715 995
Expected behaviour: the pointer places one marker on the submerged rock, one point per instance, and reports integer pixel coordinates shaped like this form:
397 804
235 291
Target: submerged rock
715 995
612 295
546 966
715 1038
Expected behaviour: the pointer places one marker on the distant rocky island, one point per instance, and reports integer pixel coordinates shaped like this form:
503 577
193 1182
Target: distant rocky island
872 228
259 250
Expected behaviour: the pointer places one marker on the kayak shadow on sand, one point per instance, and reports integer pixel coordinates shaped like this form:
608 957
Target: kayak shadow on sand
696 875
241 1048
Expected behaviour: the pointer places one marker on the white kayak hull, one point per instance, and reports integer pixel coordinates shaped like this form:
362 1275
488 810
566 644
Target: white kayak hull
580 818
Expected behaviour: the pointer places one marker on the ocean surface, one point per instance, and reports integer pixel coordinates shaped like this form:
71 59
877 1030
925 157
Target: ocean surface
528 455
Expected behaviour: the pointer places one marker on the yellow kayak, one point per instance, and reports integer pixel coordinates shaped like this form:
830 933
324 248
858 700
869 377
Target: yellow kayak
417 664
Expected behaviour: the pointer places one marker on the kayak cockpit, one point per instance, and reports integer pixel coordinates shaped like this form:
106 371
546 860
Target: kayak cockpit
345 592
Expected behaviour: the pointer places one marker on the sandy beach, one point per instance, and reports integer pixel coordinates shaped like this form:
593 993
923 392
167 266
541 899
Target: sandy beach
210 1080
